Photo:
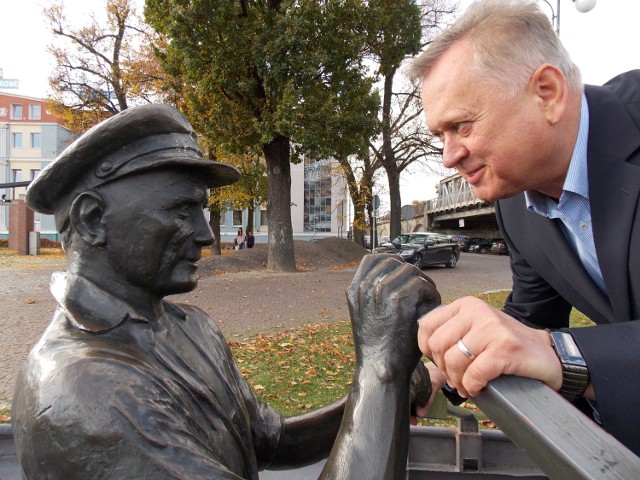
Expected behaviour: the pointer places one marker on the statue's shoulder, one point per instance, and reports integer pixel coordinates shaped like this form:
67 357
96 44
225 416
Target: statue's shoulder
193 315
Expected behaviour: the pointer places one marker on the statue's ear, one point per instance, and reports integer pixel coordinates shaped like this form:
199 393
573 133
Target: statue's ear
86 217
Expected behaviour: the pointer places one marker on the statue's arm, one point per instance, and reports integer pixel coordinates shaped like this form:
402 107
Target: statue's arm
308 437
368 430
386 298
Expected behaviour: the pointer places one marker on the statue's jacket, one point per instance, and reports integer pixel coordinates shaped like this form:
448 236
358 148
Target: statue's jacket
107 393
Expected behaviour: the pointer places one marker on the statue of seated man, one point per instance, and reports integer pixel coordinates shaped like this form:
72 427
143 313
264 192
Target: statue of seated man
124 384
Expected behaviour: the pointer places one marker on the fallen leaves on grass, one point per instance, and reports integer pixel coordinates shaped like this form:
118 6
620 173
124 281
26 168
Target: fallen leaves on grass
314 363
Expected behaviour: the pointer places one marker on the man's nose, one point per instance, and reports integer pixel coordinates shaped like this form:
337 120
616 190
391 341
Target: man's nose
453 153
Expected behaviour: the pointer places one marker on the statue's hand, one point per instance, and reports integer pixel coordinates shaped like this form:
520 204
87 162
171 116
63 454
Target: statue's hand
386 298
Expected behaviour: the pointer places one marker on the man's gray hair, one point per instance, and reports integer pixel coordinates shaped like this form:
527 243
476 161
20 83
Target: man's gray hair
511 39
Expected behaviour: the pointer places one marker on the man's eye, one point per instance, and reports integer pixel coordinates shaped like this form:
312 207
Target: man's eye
463 128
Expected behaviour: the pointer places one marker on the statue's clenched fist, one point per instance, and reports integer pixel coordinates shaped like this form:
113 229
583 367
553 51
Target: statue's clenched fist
386 298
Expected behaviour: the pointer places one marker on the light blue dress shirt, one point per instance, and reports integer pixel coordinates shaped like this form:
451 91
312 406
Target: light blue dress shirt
573 209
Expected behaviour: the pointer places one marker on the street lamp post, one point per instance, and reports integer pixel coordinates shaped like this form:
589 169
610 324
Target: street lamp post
583 6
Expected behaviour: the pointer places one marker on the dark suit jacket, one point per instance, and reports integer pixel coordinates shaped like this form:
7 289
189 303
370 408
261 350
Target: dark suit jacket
548 277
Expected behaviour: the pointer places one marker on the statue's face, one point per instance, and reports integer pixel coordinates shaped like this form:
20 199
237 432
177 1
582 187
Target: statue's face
156 229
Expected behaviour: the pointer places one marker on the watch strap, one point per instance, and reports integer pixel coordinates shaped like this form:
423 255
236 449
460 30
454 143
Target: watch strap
575 374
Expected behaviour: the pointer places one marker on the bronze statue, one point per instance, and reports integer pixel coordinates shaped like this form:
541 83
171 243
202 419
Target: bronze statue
124 384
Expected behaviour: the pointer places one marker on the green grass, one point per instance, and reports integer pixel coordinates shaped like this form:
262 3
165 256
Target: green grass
301 369
577 319
306 368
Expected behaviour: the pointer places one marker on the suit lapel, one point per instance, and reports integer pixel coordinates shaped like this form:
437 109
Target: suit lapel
577 287
614 187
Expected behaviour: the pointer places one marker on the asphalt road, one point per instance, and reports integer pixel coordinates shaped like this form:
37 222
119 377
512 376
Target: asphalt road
474 274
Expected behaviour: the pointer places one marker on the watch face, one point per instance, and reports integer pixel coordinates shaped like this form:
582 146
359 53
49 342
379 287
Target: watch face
566 348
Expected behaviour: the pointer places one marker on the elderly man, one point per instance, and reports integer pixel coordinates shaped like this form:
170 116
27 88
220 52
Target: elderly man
124 384
563 163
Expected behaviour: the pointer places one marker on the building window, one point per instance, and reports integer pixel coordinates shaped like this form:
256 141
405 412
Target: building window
237 217
264 219
16 112
16 175
35 112
35 140
34 174
17 139
317 195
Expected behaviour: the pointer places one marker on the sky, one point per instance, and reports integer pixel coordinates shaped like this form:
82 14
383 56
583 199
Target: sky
602 42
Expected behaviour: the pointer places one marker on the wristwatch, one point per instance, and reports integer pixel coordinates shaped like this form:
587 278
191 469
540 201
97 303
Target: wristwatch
575 374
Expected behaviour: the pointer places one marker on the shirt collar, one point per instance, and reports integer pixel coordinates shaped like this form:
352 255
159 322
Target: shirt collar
576 180
94 309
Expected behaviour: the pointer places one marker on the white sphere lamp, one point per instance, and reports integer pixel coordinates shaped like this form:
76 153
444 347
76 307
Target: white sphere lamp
584 6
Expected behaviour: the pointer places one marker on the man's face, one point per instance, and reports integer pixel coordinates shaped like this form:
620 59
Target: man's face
156 229
499 146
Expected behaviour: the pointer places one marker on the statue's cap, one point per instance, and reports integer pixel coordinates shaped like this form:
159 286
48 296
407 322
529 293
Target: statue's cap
140 138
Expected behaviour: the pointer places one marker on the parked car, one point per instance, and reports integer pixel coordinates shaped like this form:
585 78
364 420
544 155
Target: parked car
470 242
500 247
485 245
423 248
459 239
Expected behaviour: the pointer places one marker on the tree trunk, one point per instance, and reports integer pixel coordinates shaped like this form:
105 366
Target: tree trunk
214 223
281 251
395 221
359 198
251 211
358 224
389 159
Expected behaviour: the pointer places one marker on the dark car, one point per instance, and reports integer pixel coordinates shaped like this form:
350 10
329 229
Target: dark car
470 242
459 239
423 248
485 245
500 247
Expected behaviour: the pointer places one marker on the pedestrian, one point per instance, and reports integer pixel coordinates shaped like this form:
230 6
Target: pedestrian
250 239
562 162
240 239
126 384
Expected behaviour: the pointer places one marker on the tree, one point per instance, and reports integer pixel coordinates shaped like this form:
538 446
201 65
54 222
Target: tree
396 31
248 192
282 78
103 67
405 140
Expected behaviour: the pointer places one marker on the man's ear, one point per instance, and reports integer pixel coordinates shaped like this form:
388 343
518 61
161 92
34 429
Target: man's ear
550 87
86 217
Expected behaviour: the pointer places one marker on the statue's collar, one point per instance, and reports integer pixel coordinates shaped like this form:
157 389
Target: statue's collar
94 309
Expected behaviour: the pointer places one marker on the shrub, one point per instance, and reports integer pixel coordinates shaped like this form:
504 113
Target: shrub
48 243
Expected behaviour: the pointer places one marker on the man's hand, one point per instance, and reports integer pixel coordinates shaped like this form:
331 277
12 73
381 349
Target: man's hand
386 298
436 380
498 345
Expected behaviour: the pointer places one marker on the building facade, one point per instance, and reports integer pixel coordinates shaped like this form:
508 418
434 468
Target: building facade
30 138
320 205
